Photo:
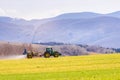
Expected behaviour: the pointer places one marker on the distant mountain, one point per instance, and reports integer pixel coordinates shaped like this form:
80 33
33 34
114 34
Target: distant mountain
90 31
82 15
114 14
78 28
12 20
10 31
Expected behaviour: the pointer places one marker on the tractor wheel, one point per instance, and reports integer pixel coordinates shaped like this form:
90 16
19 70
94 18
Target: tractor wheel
56 54
46 55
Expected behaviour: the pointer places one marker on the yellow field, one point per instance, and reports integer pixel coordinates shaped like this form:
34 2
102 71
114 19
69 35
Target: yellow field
90 67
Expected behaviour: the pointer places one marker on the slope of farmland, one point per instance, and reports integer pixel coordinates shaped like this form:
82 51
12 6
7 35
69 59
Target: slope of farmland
91 67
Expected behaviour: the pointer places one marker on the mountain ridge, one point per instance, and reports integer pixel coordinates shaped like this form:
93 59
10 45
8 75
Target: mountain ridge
84 28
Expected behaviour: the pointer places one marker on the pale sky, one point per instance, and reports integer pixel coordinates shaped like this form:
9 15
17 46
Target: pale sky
38 9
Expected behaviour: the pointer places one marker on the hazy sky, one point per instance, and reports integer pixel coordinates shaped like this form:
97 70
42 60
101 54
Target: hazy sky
36 9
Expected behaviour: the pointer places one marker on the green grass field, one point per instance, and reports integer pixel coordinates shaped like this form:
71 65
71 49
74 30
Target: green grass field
90 67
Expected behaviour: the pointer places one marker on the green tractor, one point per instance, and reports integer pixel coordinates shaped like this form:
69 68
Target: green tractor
49 52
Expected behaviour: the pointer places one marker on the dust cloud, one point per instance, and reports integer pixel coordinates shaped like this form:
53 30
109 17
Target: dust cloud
14 57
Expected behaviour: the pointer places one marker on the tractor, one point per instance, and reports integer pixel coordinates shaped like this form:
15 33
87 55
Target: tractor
49 52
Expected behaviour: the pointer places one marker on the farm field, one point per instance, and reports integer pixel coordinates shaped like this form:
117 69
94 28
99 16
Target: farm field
89 67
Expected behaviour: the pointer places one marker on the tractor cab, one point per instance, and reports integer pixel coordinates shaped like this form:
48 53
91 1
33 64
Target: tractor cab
50 50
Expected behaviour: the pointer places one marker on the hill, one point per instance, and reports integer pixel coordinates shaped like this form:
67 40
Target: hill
82 15
76 28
